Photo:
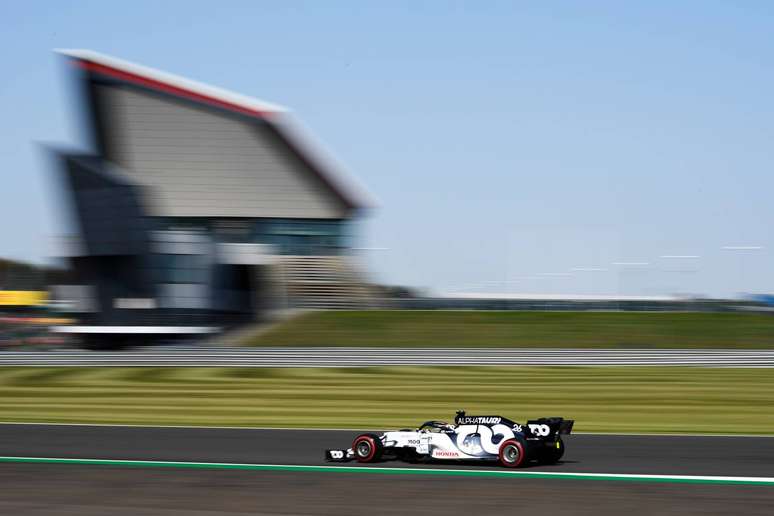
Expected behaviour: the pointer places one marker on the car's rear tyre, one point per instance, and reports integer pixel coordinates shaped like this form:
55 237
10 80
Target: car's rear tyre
511 454
553 454
367 448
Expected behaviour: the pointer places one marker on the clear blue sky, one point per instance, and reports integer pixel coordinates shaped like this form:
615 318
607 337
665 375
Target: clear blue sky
508 143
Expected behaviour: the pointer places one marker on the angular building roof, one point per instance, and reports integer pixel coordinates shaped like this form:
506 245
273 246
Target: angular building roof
351 194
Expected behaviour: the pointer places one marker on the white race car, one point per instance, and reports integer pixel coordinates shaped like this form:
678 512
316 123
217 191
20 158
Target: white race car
469 438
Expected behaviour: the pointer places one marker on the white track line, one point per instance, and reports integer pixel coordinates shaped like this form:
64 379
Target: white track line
360 357
414 471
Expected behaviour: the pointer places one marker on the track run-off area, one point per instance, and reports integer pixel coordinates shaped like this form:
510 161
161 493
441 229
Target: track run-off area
369 356
638 458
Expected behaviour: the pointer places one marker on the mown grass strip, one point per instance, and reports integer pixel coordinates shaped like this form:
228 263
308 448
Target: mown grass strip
602 399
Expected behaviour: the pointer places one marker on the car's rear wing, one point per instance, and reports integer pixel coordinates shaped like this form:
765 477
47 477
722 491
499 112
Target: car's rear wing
549 427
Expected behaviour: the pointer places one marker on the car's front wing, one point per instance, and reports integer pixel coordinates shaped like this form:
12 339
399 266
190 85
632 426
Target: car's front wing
339 455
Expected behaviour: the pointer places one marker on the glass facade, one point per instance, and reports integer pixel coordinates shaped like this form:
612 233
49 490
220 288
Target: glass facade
307 237
181 268
185 258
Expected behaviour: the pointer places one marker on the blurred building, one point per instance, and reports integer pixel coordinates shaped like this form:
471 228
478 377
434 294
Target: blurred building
200 208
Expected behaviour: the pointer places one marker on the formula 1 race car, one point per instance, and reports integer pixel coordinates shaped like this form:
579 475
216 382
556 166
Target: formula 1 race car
469 438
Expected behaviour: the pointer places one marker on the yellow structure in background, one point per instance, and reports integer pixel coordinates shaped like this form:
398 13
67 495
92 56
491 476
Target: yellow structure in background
23 297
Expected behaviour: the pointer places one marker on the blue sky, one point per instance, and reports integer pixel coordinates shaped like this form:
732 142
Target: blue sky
508 143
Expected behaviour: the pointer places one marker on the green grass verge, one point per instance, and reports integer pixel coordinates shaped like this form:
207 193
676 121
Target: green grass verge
609 399
522 329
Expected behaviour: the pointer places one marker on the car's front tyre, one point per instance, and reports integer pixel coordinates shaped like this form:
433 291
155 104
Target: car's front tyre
511 454
367 448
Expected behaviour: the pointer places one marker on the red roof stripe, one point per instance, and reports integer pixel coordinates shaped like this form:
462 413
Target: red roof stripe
167 88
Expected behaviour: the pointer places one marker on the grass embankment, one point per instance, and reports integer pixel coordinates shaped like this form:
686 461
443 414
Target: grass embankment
411 328
611 399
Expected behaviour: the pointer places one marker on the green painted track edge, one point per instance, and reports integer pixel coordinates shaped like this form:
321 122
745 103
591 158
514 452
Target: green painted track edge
670 479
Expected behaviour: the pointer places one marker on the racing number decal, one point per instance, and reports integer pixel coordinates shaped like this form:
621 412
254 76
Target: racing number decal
539 430
487 436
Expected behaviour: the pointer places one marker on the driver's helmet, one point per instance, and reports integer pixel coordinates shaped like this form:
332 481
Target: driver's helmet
437 426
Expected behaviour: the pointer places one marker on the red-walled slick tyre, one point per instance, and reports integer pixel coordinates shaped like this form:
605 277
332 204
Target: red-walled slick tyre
511 453
367 448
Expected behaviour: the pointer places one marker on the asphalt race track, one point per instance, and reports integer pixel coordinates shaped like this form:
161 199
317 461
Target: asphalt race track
674 455
96 489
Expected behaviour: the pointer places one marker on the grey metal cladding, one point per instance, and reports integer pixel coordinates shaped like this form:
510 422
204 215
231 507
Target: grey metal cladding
199 161
109 210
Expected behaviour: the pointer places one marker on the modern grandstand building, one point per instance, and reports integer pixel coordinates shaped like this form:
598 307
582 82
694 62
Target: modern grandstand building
199 208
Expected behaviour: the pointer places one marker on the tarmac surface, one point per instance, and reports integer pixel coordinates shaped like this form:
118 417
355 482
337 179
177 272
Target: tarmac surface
88 489
635 454
98 491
